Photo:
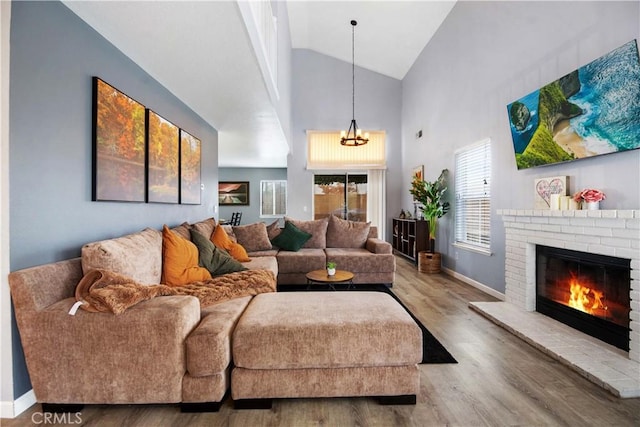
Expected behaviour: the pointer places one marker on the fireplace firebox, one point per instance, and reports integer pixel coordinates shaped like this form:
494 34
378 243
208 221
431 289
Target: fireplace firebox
589 292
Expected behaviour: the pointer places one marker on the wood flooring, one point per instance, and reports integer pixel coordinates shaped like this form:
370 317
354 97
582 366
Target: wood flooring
499 380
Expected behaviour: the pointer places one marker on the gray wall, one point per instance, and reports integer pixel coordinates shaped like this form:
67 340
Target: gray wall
322 101
53 57
250 213
484 56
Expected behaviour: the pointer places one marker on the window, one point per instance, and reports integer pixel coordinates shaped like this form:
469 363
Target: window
473 196
273 198
344 196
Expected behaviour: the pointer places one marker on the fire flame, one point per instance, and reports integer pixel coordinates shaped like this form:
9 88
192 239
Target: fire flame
583 298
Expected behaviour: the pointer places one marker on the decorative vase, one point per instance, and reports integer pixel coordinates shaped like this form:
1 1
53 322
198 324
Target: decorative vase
593 206
331 271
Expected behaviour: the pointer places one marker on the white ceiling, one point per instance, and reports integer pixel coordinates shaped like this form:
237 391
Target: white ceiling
388 38
201 52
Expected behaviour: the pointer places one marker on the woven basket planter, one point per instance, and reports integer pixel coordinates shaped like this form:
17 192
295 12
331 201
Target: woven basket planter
429 262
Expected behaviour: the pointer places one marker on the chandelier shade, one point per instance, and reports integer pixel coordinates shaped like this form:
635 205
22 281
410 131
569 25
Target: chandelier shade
354 136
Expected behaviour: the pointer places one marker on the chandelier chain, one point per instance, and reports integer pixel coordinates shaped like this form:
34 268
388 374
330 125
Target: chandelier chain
353 137
353 71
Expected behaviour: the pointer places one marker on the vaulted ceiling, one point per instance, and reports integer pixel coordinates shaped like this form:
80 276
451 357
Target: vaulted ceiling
201 52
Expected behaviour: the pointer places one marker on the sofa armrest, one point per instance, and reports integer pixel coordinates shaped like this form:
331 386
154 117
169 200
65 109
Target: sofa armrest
378 246
135 357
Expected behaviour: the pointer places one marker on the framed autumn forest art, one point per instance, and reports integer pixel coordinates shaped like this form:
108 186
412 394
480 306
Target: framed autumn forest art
163 160
118 145
190 157
139 156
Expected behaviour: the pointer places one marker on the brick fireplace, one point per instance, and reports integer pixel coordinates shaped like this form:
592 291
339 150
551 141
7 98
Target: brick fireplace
614 233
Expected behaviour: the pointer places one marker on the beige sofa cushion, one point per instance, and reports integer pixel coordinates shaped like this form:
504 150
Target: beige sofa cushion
303 261
253 237
263 263
205 227
274 229
317 229
331 330
182 230
208 347
342 233
359 260
137 255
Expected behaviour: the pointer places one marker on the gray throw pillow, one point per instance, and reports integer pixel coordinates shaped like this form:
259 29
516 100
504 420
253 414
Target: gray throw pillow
214 259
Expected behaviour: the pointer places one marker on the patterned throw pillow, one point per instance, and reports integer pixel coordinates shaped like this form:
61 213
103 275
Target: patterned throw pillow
214 259
253 237
342 233
317 229
180 260
222 240
291 238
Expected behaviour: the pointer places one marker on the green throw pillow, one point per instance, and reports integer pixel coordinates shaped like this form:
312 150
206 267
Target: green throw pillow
291 238
214 259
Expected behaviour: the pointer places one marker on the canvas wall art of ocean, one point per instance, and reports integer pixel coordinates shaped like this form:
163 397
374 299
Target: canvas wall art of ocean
591 111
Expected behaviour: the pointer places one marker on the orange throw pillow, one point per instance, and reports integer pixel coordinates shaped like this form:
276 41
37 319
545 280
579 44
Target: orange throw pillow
221 239
180 260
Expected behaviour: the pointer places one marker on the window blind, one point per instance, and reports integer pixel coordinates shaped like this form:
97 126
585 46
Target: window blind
473 195
325 152
273 198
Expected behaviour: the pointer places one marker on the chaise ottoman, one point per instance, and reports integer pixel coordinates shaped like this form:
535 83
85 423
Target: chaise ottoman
325 344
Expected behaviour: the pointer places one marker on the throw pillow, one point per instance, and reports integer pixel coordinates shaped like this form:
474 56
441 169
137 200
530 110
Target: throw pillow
273 229
137 255
342 233
182 230
214 259
253 237
180 260
291 238
205 227
317 229
222 240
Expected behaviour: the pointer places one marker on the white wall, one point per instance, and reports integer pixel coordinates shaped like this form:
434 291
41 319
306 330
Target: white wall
484 56
6 364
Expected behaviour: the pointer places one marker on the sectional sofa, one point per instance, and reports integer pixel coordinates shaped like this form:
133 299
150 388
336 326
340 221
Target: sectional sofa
352 245
176 349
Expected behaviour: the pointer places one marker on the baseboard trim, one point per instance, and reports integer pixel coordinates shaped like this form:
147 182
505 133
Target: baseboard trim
9 409
469 281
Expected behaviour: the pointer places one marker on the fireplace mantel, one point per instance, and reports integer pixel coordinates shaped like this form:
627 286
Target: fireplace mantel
607 232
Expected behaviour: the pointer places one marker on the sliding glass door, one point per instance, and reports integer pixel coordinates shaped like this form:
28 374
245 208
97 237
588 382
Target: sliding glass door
343 195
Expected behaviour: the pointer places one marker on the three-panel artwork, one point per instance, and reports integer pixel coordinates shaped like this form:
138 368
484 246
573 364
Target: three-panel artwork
138 155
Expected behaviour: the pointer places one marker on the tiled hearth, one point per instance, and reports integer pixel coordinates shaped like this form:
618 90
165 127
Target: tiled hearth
607 232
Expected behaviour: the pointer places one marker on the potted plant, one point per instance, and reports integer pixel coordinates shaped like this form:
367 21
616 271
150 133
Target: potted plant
430 195
331 268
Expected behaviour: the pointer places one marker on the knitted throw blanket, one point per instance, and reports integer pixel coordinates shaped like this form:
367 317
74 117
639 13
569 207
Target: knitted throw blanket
106 291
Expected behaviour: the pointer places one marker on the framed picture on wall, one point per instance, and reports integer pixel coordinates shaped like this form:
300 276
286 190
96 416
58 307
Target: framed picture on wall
163 155
589 112
233 193
417 172
190 159
119 153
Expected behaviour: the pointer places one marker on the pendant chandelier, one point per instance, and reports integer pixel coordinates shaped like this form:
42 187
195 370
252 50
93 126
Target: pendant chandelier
353 137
